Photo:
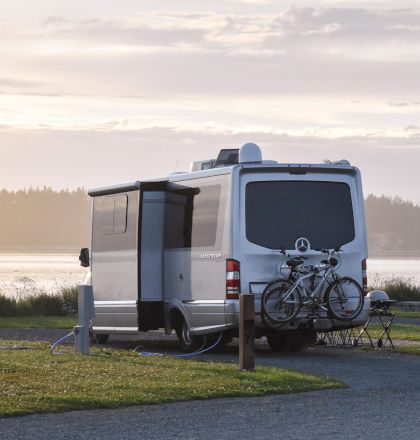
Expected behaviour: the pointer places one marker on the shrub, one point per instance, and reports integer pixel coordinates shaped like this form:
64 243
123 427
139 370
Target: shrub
43 304
68 296
399 289
7 306
40 303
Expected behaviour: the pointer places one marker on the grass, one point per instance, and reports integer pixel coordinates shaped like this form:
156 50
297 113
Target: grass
407 332
33 381
29 300
409 350
405 314
38 322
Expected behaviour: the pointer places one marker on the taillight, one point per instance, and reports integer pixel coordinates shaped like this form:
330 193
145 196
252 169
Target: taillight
364 276
233 279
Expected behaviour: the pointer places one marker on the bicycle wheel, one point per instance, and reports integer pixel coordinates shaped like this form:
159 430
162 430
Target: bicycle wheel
344 299
277 305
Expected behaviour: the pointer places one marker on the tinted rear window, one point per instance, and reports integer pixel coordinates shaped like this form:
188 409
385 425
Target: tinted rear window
280 212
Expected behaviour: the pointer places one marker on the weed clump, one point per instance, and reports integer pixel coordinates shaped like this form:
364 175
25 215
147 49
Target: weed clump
399 289
40 303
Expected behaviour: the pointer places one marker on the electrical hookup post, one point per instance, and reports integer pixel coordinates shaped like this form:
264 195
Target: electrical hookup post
85 313
246 332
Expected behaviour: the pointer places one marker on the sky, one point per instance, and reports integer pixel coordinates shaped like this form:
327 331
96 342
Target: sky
101 92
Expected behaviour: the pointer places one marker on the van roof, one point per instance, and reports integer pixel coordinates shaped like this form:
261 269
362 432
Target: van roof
291 168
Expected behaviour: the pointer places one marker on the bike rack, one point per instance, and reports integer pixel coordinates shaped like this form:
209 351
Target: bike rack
381 311
362 337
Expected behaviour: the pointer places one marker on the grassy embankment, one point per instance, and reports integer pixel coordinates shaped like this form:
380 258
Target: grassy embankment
63 322
32 307
404 332
33 381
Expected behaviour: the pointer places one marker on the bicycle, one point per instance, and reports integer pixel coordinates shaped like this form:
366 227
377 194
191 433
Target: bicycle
282 299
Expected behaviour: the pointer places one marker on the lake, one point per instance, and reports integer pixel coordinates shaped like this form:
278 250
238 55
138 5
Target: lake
21 273
26 272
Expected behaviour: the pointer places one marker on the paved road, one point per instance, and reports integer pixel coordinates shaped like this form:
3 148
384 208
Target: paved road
382 401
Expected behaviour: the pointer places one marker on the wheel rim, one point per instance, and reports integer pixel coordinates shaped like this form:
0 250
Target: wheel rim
345 300
276 308
186 335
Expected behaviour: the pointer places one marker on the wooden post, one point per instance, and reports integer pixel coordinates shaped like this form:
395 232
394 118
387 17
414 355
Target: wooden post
246 333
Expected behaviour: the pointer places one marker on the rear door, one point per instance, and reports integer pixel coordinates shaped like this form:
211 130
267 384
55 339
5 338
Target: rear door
278 208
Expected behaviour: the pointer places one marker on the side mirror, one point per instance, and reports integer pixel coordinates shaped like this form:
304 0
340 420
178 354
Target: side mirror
84 257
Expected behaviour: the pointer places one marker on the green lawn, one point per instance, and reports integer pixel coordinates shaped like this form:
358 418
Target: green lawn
406 314
408 332
38 322
33 381
409 350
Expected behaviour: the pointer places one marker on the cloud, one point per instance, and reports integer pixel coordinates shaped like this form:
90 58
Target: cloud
307 83
121 156
403 104
294 51
20 83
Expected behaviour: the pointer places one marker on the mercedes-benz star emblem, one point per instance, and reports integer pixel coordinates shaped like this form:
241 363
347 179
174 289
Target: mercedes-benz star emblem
302 244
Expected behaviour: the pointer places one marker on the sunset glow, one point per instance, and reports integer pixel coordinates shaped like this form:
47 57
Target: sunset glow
98 92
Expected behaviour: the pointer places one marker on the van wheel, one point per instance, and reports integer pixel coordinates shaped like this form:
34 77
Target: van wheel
188 342
291 341
99 338
277 343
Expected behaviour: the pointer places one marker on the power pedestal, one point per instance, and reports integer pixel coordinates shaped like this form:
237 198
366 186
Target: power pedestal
86 312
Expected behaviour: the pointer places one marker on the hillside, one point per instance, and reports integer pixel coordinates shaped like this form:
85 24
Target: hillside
44 220
393 226
47 220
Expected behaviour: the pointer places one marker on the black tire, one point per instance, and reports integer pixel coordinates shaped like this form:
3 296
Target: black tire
277 342
188 342
291 341
99 338
344 299
277 309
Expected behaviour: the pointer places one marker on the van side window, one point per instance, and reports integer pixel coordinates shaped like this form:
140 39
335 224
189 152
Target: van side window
120 213
106 213
113 214
192 217
205 216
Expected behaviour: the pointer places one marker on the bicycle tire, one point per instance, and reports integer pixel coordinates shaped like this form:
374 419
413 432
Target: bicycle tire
344 299
274 307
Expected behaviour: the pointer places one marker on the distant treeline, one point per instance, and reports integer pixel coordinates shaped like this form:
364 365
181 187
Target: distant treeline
48 220
393 225
44 220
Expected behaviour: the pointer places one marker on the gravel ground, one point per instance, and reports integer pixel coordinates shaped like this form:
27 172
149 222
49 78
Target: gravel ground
382 401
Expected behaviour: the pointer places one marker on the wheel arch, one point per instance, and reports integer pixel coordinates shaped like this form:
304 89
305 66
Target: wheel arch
174 317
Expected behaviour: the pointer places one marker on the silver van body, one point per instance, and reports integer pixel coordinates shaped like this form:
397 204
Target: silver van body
161 247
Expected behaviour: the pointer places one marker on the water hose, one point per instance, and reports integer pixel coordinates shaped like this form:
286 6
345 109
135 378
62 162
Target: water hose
201 350
59 341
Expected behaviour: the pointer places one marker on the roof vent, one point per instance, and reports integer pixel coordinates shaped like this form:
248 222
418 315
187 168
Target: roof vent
342 162
227 157
250 153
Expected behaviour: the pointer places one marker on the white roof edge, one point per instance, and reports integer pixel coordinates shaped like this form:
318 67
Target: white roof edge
219 171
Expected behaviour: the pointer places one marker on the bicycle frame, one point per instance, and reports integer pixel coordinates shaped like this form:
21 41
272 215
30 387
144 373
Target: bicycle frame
316 292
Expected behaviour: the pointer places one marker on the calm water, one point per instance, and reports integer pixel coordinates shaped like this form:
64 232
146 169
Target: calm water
21 273
25 272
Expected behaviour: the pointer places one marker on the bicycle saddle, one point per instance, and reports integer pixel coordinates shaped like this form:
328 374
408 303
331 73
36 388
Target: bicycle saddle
294 262
332 261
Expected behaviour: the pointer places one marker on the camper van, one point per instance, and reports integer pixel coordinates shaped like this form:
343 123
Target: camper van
175 253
